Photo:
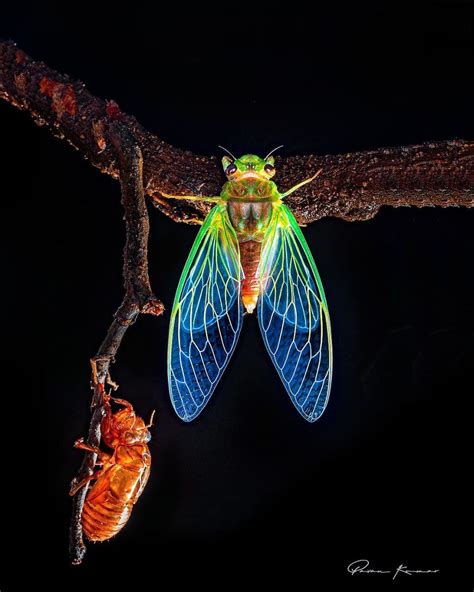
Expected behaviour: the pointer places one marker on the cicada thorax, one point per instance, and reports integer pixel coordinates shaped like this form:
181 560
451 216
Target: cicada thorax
249 205
123 476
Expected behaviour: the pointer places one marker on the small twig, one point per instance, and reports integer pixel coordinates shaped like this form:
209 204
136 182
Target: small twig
138 299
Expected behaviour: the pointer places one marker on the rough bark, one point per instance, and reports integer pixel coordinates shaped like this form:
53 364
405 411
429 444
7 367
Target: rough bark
350 186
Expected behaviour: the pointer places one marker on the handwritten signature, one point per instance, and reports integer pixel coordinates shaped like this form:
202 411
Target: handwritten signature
362 566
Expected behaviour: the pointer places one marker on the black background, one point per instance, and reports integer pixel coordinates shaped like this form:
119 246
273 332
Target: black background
249 492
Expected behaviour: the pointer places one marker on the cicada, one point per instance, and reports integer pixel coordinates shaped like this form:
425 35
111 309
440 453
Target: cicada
124 473
249 254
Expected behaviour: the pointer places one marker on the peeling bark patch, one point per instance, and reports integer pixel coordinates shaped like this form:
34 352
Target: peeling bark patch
20 82
98 131
113 111
62 96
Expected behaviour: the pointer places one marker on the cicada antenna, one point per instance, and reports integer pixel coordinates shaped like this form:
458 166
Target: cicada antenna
150 423
274 150
228 151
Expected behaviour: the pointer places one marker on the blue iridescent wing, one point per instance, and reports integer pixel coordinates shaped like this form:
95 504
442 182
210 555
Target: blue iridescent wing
206 317
293 315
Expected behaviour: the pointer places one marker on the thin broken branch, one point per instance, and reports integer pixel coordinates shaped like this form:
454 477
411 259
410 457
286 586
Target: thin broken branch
351 186
138 298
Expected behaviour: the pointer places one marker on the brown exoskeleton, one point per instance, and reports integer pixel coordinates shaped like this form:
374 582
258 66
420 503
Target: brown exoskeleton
124 473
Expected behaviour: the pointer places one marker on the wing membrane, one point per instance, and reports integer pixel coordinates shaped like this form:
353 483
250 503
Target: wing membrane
293 315
207 316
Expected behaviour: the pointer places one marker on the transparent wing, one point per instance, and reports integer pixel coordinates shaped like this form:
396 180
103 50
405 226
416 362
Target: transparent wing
207 315
293 315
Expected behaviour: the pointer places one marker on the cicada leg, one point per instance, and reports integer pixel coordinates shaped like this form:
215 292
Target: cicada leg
300 185
95 379
150 423
111 382
122 402
81 445
192 197
75 487
103 458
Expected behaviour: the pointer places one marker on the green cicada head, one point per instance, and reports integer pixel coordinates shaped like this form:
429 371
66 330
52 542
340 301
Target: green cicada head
249 166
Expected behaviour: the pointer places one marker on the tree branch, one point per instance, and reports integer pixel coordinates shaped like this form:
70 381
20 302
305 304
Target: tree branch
138 299
351 186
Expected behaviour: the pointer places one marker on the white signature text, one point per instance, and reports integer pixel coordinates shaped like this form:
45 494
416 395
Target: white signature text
362 566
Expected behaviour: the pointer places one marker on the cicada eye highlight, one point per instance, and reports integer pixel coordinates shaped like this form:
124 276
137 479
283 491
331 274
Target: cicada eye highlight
129 437
230 170
269 168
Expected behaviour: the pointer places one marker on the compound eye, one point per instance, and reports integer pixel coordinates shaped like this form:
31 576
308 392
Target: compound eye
269 168
129 437
230 170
